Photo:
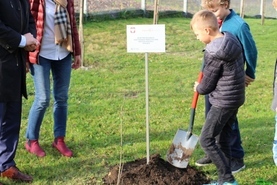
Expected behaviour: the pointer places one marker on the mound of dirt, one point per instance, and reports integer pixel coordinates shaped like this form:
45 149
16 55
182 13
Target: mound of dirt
156 172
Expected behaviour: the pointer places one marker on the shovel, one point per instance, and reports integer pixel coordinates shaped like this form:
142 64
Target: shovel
184 142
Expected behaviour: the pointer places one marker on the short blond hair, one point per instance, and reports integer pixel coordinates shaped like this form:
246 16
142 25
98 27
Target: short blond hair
274 4
204 19
207 4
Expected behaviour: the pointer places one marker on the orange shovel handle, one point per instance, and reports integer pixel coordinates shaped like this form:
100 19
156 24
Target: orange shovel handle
193 105
196 94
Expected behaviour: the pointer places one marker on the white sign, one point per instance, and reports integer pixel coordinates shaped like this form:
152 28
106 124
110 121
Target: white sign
145 38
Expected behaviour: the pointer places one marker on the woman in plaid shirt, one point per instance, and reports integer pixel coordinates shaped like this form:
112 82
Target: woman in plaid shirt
58 35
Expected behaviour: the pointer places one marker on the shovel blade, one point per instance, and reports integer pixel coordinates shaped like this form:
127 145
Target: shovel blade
181 149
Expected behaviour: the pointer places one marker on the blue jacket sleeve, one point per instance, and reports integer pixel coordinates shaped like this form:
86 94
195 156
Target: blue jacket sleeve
249 49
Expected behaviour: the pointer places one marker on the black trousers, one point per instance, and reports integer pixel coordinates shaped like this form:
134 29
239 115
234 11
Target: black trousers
218 125
10 121
236 147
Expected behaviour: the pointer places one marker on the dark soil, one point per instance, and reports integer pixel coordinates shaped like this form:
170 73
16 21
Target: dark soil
156 172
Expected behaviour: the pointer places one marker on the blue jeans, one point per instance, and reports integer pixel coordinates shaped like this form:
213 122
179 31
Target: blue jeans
236 147
218 125
61 72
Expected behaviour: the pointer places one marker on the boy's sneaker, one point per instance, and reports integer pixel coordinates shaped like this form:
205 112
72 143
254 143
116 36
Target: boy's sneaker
204 161
225 183
237 165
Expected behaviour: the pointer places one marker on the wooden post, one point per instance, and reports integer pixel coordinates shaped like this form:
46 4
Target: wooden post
242 8
185 7
143 6
85 7
81 32
156 12
262 11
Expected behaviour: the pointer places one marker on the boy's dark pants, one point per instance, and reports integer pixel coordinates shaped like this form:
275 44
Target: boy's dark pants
236 148
218 124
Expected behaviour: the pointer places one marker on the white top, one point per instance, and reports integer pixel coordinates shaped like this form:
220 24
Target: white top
23 42
49 49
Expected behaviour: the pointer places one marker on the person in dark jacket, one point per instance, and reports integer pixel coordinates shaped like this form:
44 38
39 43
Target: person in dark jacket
233 23
58 34
17 37
224 82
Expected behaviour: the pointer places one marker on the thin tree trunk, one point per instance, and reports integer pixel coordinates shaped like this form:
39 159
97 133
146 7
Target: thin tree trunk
81 30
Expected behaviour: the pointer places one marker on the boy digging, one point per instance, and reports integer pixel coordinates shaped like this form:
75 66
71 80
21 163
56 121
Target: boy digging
224 81
233 23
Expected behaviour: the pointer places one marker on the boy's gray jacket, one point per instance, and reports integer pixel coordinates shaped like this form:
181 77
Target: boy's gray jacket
223 73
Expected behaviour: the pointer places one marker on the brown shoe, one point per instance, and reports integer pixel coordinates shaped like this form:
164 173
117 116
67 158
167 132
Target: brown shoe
14 174
60 145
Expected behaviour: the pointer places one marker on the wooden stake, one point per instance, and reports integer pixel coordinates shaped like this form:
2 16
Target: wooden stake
156 12
262 11
242 8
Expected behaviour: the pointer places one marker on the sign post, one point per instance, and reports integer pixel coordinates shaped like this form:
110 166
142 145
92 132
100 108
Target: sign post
146 39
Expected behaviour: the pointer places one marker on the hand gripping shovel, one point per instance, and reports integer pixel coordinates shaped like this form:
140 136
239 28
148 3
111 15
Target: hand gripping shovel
184 142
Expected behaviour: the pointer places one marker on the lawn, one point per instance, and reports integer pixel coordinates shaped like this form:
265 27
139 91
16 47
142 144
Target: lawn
107 106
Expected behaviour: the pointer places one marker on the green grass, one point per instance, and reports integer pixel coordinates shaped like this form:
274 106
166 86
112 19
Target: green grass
110 93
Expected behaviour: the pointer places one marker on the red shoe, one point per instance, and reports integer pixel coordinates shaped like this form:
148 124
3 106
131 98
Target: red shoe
60 145
13 173
33 147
